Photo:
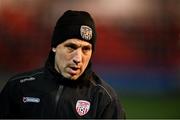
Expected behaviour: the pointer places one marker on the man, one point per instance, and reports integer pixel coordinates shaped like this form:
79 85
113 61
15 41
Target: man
66 87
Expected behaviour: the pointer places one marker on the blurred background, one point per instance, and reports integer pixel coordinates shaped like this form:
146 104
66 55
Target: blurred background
137 52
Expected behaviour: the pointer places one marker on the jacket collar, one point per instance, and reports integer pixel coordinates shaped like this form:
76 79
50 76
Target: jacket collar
53 74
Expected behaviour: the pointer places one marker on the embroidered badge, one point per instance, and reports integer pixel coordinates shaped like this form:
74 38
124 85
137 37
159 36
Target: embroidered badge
82 107
31 99
86 32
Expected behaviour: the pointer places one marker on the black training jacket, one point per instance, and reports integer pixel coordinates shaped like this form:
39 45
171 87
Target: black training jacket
44 93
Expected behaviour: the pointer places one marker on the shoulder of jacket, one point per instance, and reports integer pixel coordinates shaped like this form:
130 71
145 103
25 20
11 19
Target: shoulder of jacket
26 76
104 86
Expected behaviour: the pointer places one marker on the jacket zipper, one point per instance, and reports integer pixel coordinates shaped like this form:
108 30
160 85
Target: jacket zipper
58 95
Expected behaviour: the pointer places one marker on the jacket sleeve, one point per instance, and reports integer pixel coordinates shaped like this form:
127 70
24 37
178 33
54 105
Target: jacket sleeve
114 110
5 101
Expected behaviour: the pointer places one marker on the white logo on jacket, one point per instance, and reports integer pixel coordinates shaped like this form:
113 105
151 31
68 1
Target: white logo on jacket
82 107
27 79
31 99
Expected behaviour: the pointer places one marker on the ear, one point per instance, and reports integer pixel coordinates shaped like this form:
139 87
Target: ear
54 49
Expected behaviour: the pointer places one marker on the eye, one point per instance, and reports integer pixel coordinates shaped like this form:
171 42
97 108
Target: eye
86 49
71 47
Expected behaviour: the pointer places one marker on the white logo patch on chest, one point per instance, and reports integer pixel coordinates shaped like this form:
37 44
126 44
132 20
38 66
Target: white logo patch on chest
31 99
82 107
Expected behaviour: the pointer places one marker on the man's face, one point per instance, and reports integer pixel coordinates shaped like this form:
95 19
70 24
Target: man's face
72 57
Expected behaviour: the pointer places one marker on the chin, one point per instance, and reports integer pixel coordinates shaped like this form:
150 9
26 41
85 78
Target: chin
71 77
74 78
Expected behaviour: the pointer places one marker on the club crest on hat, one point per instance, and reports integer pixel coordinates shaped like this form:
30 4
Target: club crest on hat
86 32
82 107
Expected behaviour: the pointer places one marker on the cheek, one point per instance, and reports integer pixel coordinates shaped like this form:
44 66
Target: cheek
62 58
59 60
86 61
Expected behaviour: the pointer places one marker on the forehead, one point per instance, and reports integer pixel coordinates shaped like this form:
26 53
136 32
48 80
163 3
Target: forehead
77 42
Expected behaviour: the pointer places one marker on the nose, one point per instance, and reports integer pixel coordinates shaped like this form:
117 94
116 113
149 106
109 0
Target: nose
77 57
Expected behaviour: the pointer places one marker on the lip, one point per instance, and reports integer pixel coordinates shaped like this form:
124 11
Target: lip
73 70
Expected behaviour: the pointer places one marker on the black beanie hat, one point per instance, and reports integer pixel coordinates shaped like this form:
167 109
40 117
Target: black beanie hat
74 24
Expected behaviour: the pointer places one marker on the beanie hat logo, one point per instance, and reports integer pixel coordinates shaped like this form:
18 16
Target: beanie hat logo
86 32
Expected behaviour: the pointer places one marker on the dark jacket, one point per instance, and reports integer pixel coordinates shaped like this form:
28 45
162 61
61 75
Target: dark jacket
44 93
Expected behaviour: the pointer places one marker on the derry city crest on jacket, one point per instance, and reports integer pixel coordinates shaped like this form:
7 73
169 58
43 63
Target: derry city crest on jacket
82 107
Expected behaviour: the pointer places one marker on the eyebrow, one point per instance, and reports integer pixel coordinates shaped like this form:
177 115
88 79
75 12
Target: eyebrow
71 44
75 45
